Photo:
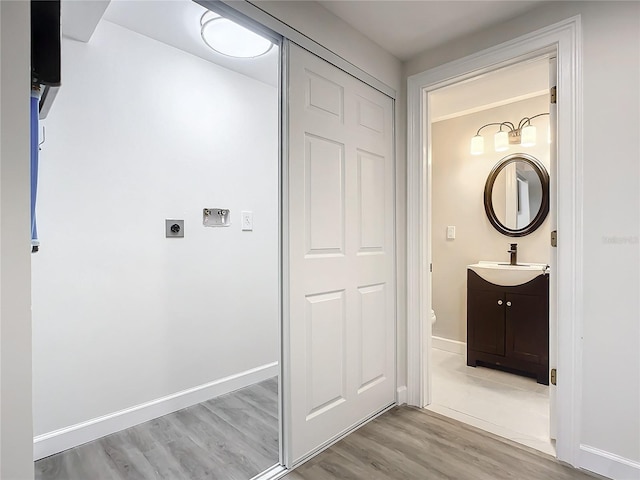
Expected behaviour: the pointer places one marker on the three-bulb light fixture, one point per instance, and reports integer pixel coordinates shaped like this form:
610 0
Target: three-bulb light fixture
508 134
226 37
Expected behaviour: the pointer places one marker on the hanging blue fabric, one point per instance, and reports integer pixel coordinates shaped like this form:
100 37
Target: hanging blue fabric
35 112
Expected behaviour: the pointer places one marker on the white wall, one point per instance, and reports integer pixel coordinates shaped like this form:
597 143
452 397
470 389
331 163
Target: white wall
458 180
141 132
16 435
611 221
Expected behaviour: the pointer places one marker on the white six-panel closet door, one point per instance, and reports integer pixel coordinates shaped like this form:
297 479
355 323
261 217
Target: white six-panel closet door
340 328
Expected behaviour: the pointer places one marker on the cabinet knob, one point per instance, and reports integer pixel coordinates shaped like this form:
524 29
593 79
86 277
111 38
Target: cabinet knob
508 304
499 302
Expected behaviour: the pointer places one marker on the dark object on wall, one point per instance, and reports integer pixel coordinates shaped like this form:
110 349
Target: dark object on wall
45 42
46 51
508 327
535 218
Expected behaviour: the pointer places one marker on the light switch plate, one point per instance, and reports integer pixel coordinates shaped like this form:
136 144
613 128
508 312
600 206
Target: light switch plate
246 219
451 233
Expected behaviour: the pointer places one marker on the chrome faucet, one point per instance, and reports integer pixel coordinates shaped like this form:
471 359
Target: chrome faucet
513 251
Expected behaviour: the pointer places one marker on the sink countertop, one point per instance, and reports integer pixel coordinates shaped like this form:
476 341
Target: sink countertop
507 275
524 265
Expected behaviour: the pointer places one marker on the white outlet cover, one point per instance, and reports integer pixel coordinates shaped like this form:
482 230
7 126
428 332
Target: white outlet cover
246 220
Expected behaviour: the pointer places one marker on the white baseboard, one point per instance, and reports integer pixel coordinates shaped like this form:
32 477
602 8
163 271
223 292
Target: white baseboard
401 395
74 435
608 464
448 345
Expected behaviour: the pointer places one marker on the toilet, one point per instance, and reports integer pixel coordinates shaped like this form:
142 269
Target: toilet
433 317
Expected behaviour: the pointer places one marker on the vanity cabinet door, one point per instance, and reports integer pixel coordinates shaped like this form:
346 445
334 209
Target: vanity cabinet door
527 328
485 311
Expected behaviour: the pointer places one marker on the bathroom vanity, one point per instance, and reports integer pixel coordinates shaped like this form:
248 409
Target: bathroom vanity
507 324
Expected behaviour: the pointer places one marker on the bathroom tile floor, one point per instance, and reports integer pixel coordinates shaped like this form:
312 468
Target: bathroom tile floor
504 404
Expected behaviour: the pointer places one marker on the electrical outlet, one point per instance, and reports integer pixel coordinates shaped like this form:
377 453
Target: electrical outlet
246 219
174 228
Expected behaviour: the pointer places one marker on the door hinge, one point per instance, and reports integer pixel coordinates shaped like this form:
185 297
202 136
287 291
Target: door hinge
554 238
431 267
554 376
553 95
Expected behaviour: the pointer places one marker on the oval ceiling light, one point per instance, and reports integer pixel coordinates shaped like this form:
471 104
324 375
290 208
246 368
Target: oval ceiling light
206 16
230 39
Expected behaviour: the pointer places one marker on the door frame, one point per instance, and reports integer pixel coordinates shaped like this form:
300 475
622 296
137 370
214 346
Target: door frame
563 39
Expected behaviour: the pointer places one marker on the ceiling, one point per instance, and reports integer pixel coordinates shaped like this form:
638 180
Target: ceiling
407 28
404 28
500 87
177 23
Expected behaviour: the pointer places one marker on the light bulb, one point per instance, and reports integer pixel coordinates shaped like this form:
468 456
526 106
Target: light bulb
528 136
477 145
501 141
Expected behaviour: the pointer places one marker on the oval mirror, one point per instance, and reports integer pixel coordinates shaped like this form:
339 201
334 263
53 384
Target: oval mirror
516 195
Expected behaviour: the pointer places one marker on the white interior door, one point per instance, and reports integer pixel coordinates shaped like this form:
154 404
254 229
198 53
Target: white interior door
553 257
341 320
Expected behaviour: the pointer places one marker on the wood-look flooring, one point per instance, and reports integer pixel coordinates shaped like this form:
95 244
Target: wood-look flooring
411 444
235 436
231 437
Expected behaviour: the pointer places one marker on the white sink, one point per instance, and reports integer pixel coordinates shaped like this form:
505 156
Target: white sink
502 273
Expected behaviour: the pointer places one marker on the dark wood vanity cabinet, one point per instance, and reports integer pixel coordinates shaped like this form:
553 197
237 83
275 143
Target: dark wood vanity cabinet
508 327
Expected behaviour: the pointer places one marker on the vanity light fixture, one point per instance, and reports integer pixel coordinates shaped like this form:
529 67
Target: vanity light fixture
230 39
524 134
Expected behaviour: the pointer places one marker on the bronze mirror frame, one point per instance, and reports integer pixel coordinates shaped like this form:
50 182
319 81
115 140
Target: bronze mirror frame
540 217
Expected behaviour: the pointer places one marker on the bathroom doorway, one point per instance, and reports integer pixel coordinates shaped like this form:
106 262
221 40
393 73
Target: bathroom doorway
560 41
473 377
156 289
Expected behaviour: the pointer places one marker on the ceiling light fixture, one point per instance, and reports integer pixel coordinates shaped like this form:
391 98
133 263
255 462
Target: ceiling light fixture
230 39
524 134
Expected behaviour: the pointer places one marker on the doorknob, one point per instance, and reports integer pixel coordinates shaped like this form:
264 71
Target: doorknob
499 302
508 304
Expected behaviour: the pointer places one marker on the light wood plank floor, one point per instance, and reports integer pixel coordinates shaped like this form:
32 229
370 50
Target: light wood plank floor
231 437
411 444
